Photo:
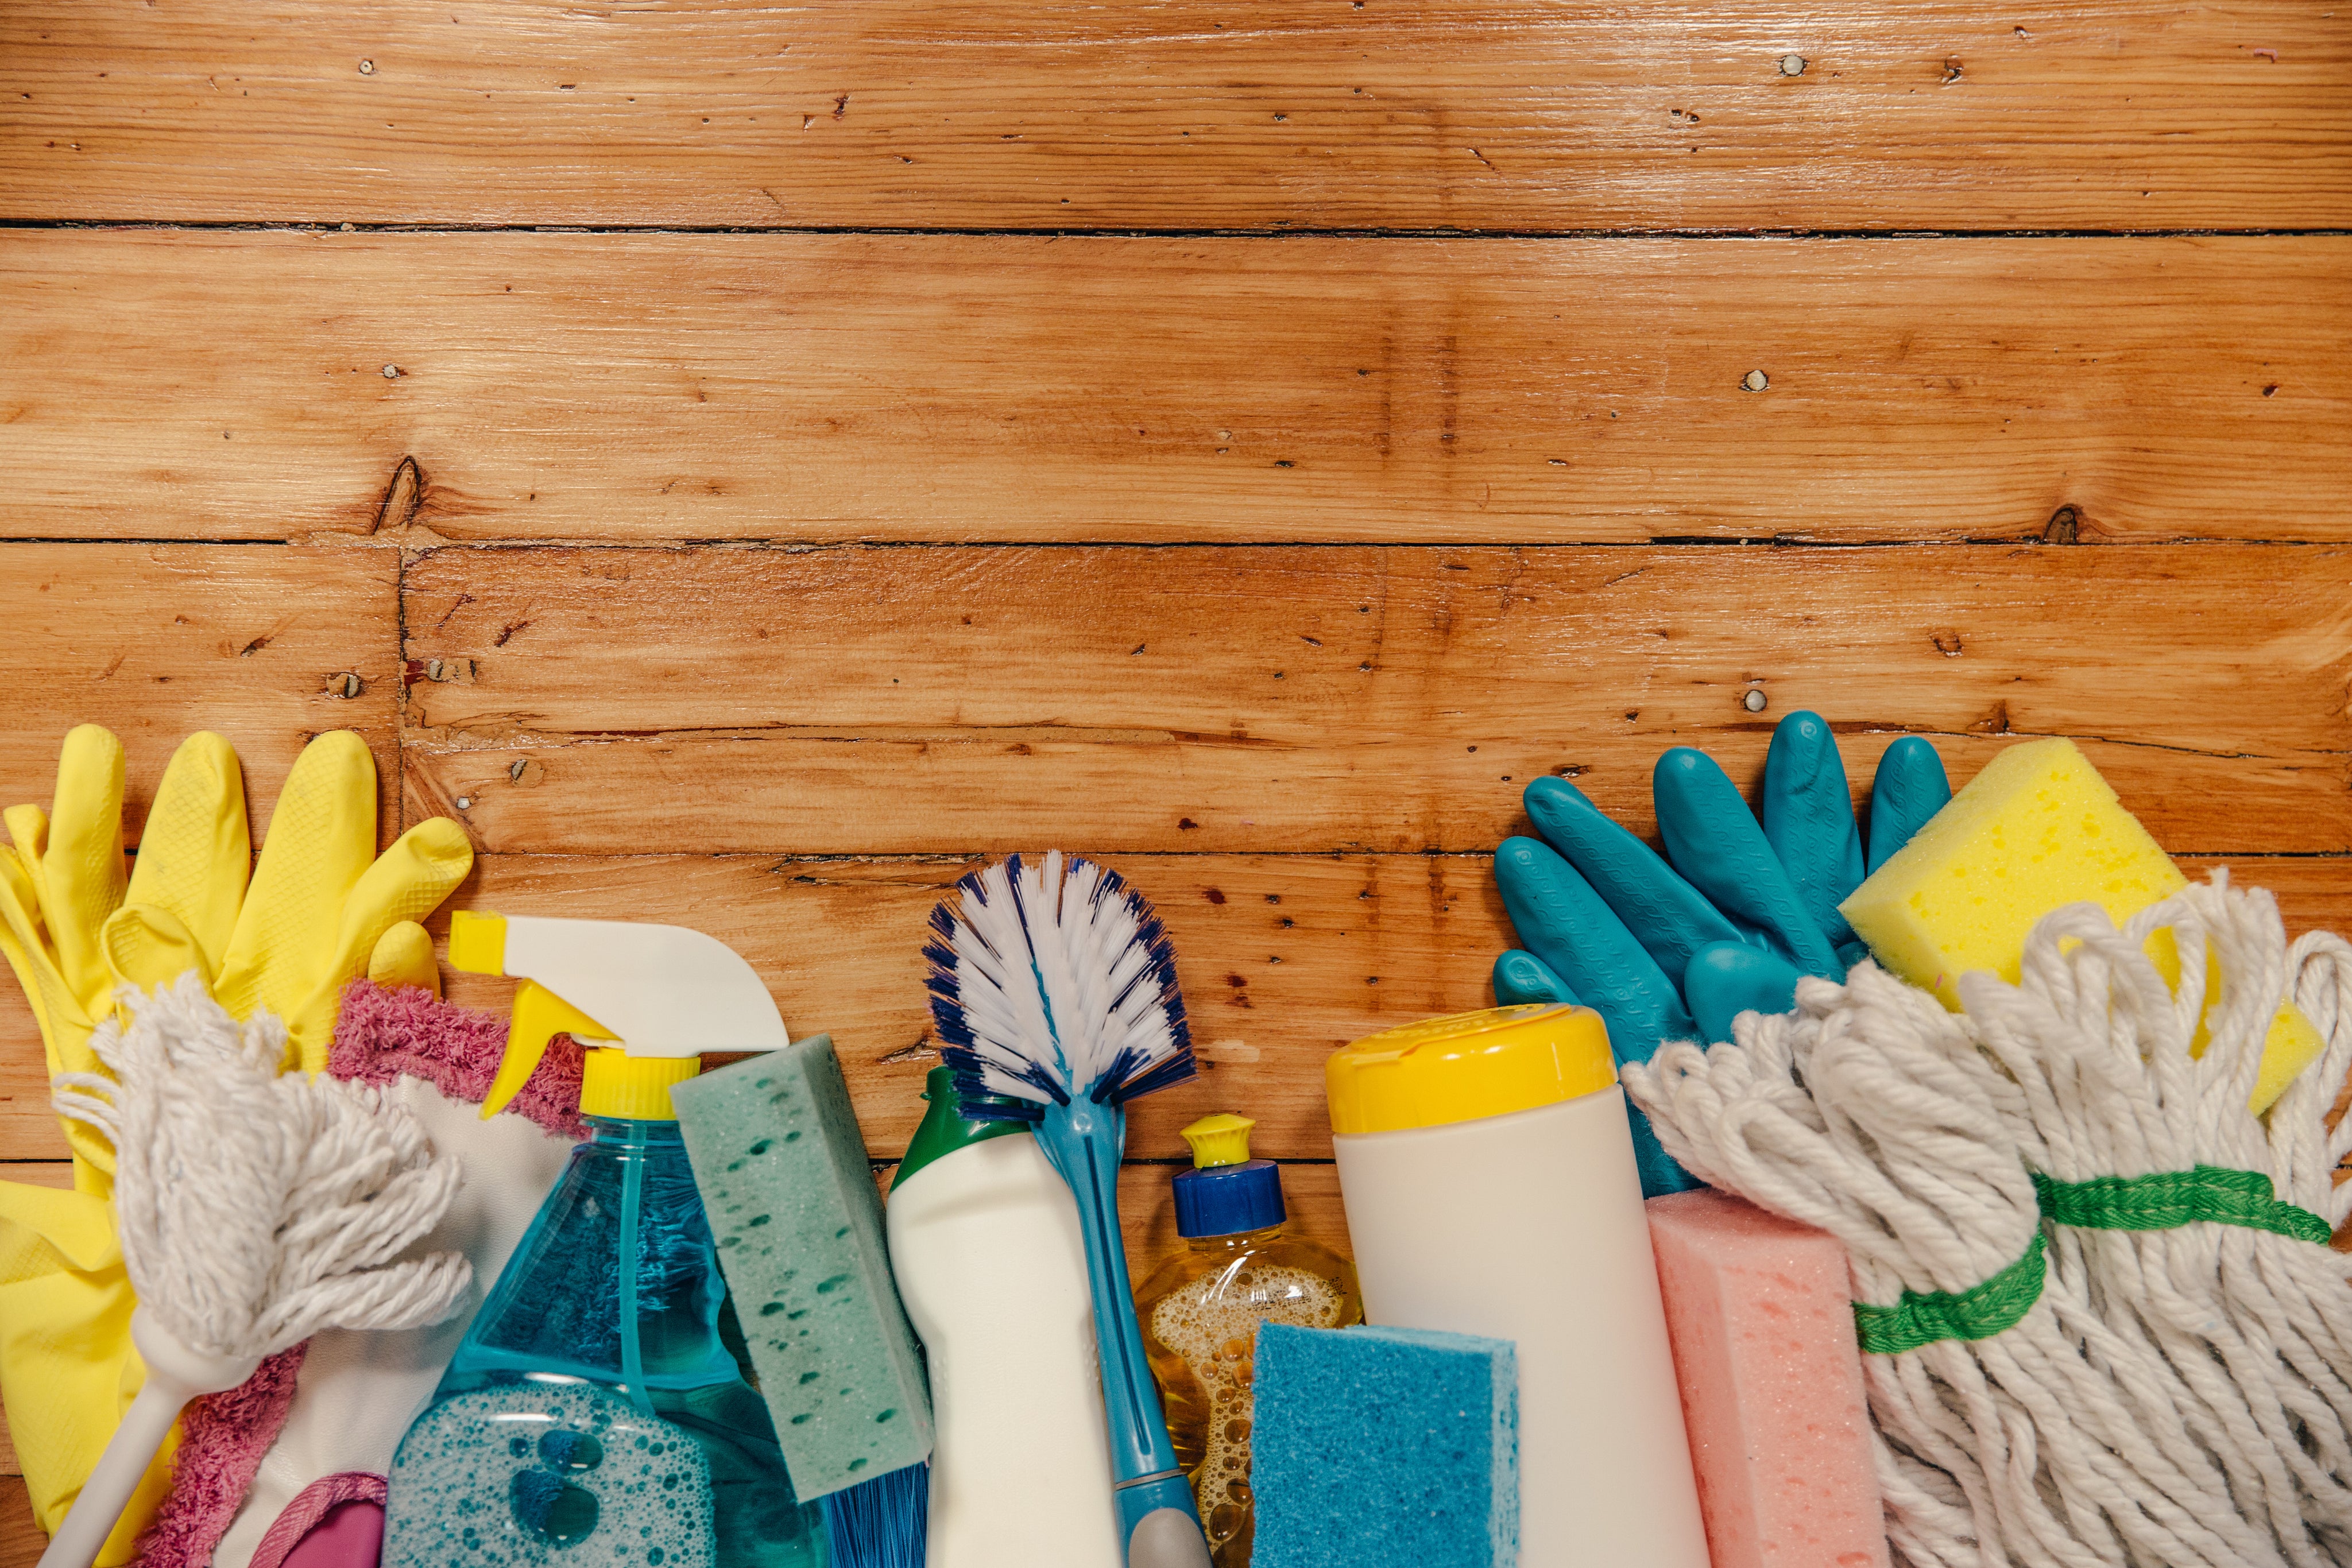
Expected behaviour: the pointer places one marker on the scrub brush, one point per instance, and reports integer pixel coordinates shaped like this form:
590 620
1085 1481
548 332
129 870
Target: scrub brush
1059 992
881 1524
254 1210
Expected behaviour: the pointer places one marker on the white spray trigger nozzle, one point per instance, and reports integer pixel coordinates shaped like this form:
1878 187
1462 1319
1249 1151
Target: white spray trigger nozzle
653 991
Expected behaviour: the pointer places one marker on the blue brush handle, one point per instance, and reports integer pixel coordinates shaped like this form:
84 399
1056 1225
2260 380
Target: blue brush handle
1084 1140
1161 1530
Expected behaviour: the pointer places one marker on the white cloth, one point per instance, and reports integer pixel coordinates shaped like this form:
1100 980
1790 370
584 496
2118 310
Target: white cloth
356 1393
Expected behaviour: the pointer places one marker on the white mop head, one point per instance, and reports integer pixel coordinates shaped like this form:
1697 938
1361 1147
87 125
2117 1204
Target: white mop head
254 1209
2110 1330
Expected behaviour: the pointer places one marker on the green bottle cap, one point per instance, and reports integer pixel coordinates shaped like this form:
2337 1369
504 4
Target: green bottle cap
946 1128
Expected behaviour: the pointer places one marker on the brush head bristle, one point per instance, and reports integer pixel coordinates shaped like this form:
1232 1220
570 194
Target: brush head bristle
1055 983
881 1524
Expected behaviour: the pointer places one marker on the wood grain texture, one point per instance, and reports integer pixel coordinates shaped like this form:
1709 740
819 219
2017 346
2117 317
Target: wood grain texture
157 642
891 113
21 1540
1354 945
1433 491
57 1174
828 387
871 700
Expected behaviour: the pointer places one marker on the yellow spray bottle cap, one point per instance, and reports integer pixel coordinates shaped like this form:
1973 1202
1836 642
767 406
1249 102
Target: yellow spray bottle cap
1219 1140
646 1000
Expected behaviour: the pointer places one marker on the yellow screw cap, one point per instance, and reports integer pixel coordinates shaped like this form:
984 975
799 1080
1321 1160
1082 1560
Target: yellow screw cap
1219 1140
634 1088
1468 1066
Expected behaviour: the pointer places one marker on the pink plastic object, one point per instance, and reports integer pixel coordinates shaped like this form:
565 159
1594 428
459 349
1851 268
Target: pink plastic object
1762 1318
351 1536
336 1521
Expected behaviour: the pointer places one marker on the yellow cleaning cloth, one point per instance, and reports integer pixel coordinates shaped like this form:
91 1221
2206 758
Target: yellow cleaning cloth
2037 829
316 915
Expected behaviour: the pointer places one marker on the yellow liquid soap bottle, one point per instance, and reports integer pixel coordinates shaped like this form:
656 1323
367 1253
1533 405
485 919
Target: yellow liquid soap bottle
1240 1266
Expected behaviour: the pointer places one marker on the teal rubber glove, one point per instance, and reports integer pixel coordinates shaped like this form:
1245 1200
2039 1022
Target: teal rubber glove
1747 907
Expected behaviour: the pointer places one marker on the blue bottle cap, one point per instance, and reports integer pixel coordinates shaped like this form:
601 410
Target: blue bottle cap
1224 1200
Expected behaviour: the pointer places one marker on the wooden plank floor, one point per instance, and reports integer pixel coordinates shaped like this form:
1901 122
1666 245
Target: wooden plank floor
1371 114
176 384
1247 442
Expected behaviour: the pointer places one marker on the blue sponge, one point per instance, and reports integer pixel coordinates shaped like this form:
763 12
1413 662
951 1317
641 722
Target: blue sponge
1383 1444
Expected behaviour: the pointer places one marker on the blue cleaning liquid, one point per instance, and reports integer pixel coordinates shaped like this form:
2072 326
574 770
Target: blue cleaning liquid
593 1415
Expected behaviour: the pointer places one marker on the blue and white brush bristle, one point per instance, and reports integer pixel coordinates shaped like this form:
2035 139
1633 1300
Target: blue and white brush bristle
881 1524
1055 983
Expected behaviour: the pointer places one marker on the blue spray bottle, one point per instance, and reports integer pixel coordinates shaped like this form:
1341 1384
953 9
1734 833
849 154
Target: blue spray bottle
594 1415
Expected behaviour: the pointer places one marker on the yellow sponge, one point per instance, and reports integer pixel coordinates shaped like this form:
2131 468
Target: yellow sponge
2037 829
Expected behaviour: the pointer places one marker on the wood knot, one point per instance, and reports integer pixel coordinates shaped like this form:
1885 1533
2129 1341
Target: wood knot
401 498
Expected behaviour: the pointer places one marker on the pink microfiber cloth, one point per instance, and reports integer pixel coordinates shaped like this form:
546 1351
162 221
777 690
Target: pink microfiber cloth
381 1038
382 1035
221 1439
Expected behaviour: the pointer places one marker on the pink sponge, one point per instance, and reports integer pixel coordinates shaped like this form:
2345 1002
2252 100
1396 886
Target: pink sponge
1762 1323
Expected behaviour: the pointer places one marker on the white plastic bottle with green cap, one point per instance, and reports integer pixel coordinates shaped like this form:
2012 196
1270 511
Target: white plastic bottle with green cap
1490 1188
992 1268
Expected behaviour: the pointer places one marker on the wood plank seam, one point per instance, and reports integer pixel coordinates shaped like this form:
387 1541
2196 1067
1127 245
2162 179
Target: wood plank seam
1179 232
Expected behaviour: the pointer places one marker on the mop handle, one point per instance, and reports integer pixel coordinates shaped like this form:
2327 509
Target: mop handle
175 1374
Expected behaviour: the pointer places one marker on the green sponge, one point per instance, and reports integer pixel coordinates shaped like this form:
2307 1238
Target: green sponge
786 1178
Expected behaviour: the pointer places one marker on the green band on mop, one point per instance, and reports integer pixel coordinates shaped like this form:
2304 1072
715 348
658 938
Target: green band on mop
2171 1198
1979 1311
2159 1202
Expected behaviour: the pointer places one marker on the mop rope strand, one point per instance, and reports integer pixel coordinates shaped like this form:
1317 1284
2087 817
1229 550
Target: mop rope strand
254 1209
2176 1394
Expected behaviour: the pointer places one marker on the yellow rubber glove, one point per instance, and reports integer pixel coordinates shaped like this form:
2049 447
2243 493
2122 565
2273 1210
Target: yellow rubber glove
60 879
67 1369
317 911
316 915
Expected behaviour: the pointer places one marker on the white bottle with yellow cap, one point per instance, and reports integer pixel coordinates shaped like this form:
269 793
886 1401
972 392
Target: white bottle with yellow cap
1490 1188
